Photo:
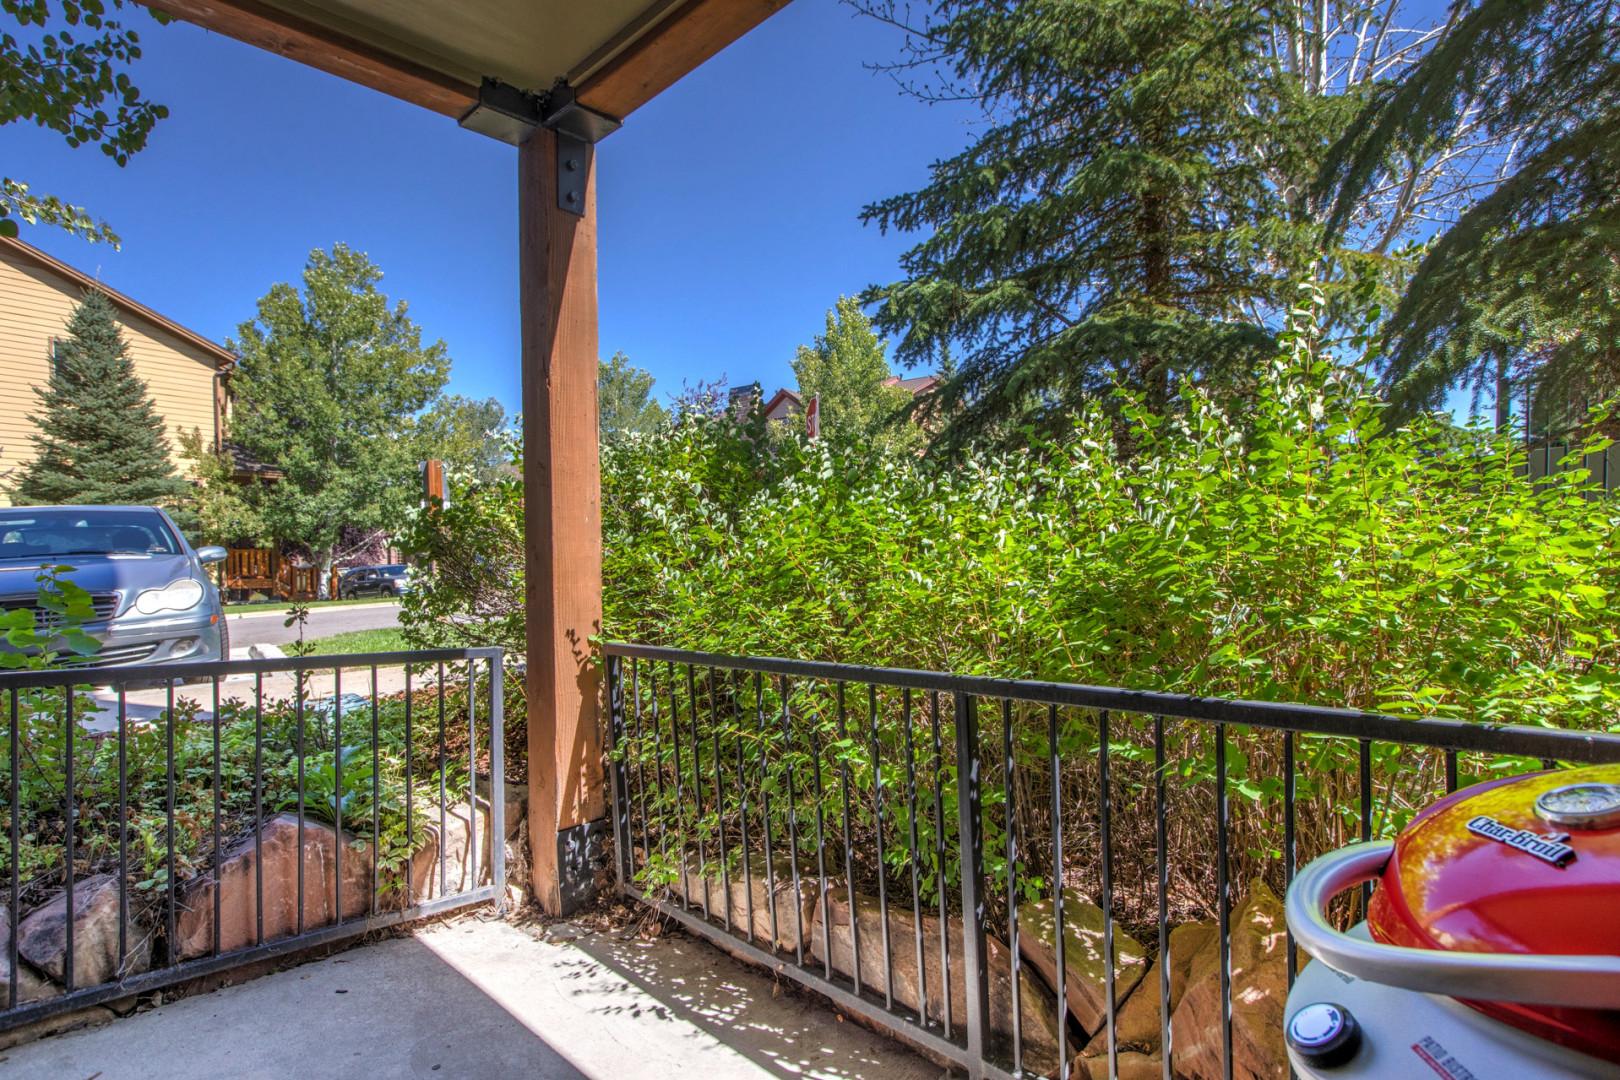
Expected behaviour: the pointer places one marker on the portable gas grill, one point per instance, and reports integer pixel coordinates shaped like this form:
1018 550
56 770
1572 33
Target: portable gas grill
1491 947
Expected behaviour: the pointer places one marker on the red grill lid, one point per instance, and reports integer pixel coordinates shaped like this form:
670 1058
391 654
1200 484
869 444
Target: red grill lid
1527 864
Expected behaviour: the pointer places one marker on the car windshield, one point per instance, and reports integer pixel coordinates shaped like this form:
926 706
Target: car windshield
392 571
58 532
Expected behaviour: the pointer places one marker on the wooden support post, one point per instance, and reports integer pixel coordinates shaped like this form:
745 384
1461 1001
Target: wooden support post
563 526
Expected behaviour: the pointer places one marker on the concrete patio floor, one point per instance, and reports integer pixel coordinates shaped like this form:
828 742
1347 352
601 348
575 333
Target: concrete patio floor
486 999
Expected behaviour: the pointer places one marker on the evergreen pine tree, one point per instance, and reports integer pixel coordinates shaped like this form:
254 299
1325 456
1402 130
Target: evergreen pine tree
1114 223
100 438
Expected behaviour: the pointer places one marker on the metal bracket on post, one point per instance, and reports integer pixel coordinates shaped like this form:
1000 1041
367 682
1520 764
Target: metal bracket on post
511 114
571 162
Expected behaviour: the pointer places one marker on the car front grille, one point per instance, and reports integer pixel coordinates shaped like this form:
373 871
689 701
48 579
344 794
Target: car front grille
115 654
104 604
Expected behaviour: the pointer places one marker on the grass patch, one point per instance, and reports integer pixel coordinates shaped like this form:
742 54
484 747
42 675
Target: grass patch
283 605
385 639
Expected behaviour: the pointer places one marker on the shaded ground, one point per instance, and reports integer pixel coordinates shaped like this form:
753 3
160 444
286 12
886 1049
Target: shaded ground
484 999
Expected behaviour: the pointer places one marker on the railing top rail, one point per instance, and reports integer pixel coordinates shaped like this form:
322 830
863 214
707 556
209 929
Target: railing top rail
1508 739
90 675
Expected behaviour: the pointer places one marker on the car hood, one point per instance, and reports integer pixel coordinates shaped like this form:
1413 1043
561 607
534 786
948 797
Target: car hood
128 574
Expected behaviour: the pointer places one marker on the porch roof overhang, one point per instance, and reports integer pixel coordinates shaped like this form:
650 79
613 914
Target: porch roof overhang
497 66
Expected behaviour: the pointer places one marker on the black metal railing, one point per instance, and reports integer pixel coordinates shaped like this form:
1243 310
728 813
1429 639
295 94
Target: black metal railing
166 822
750 793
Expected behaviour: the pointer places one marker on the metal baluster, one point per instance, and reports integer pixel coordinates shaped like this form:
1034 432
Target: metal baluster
497 775
680 797
939 859
1451 771
299 708
376 802
70 810
765 806
1011 851
793 823
472 782
882 867
1290 793
16 842
616 751
821 846
1105 800
697 787
641 771
970 840
911 854
410 793
658 770
1364 776
258 808
219 886
1222 904
123 831
720 799
849 847
168 808
742 787
1161 853
444 843
337 795
1057 889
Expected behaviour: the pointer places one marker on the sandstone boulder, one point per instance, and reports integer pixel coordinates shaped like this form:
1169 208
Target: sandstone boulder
1085 974
42 936
235 882
30 987
1038 1010
1137 1024
794 910
1259 994
455 842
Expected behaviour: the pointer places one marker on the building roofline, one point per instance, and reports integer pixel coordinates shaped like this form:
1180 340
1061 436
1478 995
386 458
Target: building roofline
223 357
781 394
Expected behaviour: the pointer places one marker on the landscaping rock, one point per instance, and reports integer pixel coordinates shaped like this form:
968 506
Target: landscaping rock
794 911
42 936
30 987
1259 993
427 883
517 803
1085 975
1037 1005
236 884
1137 1023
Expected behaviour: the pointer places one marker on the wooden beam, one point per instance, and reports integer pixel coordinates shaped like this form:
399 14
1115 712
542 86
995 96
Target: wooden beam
562 525
310 43
656 59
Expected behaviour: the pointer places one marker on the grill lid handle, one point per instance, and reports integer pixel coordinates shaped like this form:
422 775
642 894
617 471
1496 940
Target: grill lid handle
1578 981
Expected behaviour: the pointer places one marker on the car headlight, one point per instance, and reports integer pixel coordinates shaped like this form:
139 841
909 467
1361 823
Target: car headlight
181 595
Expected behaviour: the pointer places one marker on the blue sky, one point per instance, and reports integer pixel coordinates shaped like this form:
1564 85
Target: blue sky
728 207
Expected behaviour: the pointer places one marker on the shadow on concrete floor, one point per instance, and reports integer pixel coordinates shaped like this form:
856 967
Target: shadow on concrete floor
477 999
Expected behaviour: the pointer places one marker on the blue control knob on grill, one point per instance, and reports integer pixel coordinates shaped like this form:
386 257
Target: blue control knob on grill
1324 1034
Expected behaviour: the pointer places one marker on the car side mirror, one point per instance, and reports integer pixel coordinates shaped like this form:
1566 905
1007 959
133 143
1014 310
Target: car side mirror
213 553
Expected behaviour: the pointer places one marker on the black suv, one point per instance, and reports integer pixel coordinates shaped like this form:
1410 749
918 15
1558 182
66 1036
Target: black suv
374 581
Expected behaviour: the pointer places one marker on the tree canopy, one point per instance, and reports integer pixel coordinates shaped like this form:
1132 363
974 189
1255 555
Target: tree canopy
331 380
67 71
1528 274
467 435
845 368
624 400
100 438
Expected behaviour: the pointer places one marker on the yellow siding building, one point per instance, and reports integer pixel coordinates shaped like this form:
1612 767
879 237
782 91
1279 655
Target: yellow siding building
183 371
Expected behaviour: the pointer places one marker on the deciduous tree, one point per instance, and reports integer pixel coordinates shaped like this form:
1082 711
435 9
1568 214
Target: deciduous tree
67 71
624 400
331 379
845 368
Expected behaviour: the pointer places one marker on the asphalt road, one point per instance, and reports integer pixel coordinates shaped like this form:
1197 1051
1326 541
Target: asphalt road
264 628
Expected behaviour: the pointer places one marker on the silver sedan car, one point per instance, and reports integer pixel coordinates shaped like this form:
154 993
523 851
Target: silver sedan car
153 600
